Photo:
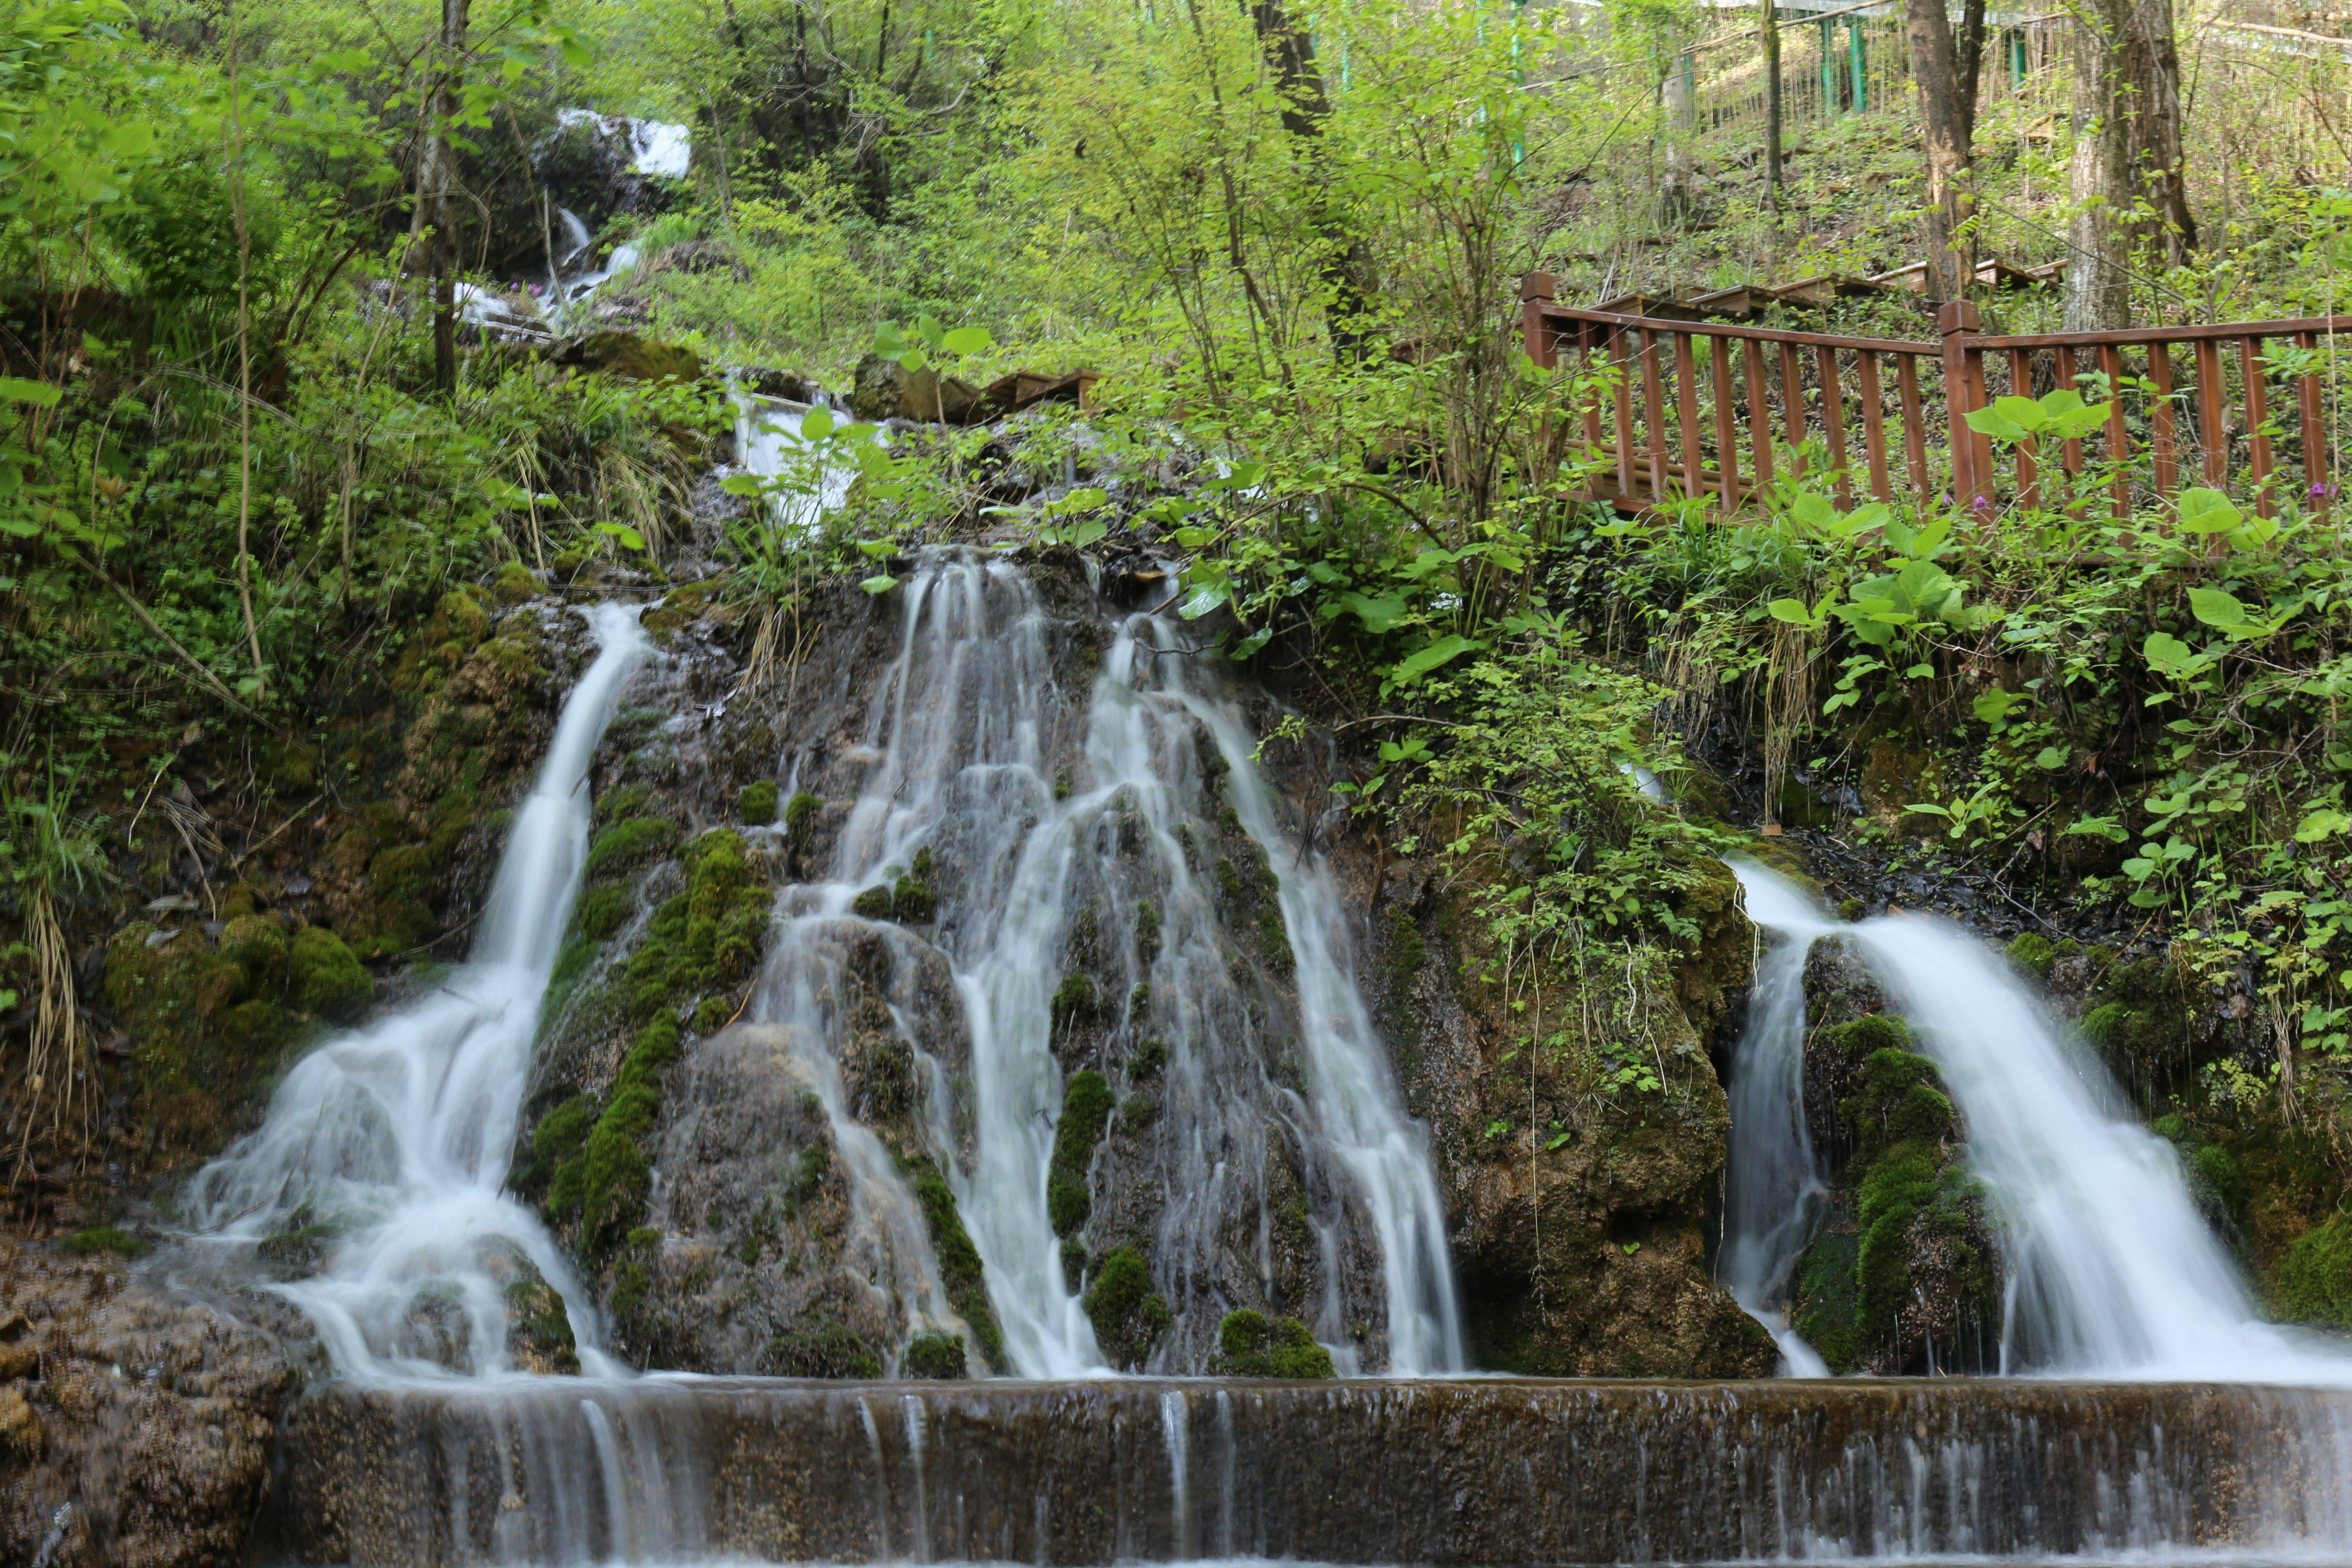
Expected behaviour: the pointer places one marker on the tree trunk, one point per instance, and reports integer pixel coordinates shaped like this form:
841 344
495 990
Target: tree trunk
2098 266
1768 26
1346 260
2152 66
1674 99
1947 111
439 196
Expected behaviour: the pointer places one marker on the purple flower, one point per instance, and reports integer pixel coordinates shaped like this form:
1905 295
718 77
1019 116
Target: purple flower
1984 503
2323 491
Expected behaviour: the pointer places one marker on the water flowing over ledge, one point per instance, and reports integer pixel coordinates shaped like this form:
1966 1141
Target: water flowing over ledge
1478 1471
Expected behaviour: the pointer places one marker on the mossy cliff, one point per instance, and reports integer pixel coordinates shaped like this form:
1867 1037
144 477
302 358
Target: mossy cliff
1578 1198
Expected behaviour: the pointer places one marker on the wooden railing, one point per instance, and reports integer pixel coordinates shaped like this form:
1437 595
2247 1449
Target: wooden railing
1704 409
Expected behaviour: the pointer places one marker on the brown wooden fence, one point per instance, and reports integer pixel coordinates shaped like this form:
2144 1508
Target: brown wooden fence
1716 412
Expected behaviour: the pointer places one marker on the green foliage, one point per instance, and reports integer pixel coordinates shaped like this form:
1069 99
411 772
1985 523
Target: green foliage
2314 1278
103 1241
934 1355
959 1265
324 977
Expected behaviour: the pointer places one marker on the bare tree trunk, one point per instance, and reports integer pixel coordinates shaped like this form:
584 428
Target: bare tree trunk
440 187
2098 266
1769 25
1948 112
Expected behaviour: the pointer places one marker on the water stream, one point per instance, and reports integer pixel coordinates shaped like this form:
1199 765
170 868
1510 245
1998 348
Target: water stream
389 1145
2114 1273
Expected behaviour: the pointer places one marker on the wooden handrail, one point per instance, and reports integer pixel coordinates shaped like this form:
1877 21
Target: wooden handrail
1666 400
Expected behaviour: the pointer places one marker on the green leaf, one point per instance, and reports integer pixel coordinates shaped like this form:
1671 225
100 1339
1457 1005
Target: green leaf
2217 608
2097 827
1793 611
2207 511
39 393
1203 599
967 341
2325 822
1378 614
1247 648
882 583
816 423
2168 656
1443 651
1993 706
740 484
629 538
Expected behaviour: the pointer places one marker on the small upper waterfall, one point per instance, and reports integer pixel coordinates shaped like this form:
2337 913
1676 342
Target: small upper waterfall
1775 1187
393 1140
2116 1274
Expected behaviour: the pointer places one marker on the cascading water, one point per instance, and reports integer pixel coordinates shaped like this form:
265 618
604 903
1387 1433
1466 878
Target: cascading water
2115 1272
1074 844
1775 1187
394 1141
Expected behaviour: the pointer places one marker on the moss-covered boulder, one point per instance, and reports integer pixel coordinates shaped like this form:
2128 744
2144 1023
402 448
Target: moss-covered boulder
1250 1346
325 977
1128 1315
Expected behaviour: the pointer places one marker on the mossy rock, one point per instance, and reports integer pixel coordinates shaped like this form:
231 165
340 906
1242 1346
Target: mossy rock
514 583
934 1355
323 976
1249 1346
103 1240
1087 1107
1128 1316
2033 953
631 841
2312 1283
756 802
821 1345
959 1265
1827 1311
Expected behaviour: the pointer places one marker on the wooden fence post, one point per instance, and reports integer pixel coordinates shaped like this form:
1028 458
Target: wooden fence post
1958 322
1536 291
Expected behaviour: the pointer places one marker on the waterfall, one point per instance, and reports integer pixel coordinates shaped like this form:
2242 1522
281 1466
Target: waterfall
1775 1187
393 1140
2115 1273
1051 824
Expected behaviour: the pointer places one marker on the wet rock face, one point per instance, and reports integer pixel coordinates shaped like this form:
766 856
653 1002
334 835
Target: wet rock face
137 1425
1578 1218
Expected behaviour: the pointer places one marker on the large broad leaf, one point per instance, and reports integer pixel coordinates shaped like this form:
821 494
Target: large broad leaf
2322 824
881 583
2217 608
1204 598
1443 651
967 341
1378 614
2208 511
816 423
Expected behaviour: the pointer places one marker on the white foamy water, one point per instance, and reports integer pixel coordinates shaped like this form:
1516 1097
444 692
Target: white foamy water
393 1140
2114 1272
1775 1187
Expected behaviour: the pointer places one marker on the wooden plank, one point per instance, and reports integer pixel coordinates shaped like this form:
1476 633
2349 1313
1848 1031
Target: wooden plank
2206 332
2020 384
1760 412
1654 412
1915 426
1768 334
1873 425
1726 438
2073 450
1686 409
2163 437
2316 469
1624 412
1834 423
2111 361
2258 410
1793 403
2212 413
1592 341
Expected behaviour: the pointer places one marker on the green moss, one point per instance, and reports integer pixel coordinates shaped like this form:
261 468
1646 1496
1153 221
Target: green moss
257 945
1150 1057
799 818
1251 1347
1147 932
756 802
1128 1316
324 977
1229 881
514 583
2033 953
556 1144
960 1265
1274 939
934 1356
1073 1000
1087 1107
629 800
1408 950
628 842
603 912
821 1345
2313 1283
1828 1311
538 1322
103 1238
